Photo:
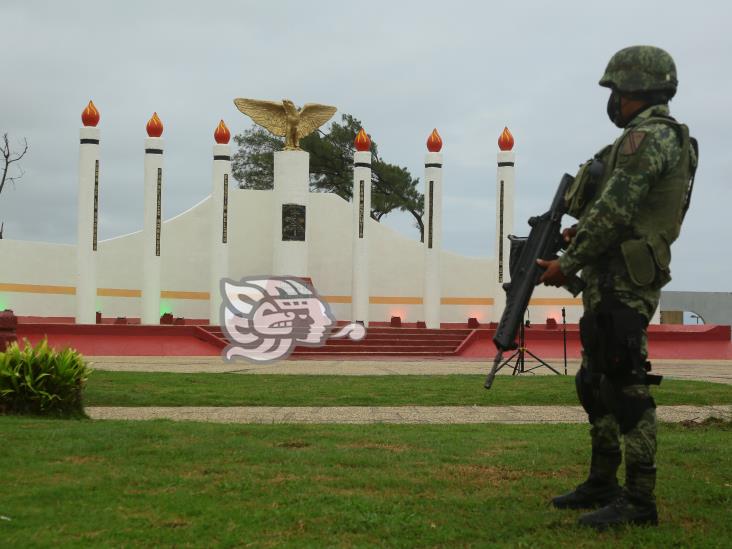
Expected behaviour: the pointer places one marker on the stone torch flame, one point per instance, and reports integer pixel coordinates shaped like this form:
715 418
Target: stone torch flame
154 126
222 134
90 115
505 141
362 141
434 142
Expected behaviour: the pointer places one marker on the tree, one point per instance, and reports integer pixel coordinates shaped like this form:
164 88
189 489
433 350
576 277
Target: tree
9 157
331 168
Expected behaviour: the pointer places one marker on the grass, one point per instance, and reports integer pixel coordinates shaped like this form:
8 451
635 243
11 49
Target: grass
70 483
83 483
169 389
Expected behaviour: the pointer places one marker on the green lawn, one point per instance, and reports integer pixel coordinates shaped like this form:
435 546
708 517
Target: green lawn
157 483
168 389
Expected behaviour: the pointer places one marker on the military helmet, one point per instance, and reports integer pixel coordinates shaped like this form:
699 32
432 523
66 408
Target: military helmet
641 69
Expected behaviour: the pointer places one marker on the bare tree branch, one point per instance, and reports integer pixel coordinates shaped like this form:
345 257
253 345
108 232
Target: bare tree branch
8 158
403 200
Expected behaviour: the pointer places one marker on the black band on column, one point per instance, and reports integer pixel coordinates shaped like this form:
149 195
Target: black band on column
153 151
504 164
222 157
89 141
362 164
433 165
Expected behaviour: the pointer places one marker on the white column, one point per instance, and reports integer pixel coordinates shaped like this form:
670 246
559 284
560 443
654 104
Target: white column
432 290
361 215
86 248
151 230
291 191
505 182
219 227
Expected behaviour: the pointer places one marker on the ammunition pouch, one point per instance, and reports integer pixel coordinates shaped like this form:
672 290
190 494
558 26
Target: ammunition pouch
587 183
588 393
647 260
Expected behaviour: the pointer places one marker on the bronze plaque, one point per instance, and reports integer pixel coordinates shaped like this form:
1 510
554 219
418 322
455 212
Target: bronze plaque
360 209
226 207
500 235
293 222
429 215
158 212
96 204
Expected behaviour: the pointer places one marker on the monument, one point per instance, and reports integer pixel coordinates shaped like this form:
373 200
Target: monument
291 177
365 270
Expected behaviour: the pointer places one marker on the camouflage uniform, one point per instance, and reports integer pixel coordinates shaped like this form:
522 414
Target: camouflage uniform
630 200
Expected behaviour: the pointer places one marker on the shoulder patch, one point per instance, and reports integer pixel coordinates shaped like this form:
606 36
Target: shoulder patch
632 142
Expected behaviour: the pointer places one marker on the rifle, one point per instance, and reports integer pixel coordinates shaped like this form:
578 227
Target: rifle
544 242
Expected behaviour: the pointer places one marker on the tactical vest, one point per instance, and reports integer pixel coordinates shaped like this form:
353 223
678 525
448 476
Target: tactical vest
645 250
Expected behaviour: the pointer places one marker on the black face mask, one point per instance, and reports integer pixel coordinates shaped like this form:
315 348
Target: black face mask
614 111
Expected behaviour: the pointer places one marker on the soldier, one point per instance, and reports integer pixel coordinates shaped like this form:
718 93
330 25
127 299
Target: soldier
630 200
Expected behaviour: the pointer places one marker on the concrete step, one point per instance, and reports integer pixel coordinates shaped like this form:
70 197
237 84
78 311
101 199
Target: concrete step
393 341
362 354
385 331
384 337
379 348
381 341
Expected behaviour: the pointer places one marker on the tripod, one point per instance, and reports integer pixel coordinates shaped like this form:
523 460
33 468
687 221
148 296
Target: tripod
519 366
564 335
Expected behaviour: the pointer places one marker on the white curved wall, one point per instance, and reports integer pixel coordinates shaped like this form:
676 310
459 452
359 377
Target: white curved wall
37 278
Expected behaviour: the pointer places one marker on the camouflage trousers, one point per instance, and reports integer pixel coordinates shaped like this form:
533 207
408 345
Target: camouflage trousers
640 440
611 384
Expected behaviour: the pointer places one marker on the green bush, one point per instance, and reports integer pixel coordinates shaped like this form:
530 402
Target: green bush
40 380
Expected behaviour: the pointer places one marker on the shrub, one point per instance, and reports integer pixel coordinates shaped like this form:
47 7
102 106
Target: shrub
41 380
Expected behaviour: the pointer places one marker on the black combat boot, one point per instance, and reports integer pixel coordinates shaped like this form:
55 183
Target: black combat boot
601 486
636 505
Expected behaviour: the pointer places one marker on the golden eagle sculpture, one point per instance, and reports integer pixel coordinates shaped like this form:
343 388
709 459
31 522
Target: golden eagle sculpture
284 119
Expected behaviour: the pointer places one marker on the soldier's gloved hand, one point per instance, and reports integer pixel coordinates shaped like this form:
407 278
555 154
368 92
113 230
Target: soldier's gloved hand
568 233
553 276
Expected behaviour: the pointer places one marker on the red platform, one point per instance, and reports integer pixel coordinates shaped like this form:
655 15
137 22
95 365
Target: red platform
382 342
123 339
669 341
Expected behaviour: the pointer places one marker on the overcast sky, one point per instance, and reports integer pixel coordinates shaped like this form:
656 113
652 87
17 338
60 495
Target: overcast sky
402 68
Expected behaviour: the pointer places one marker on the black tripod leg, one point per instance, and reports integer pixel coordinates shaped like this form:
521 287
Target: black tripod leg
505 362
541 362
518 368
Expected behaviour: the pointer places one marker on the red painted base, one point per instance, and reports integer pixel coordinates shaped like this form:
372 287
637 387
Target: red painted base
123 339
455 342
664 341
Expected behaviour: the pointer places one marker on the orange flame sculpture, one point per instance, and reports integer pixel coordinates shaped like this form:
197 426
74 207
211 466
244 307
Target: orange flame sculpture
434 142
222 134
90 115
362 141
154 126
505 141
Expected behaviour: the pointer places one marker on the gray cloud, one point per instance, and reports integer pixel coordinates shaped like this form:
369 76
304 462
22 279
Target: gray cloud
467 68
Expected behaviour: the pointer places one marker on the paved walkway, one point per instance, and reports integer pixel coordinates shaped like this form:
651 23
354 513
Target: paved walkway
719 371
389 414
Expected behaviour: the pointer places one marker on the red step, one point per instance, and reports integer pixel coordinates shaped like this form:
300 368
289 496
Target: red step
369 354
379 341
386 337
